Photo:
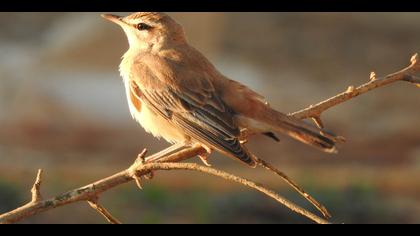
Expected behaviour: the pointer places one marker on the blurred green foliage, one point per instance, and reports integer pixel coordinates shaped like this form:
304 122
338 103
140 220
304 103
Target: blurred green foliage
10 196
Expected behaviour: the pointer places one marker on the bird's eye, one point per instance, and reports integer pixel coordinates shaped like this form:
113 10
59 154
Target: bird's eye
143 26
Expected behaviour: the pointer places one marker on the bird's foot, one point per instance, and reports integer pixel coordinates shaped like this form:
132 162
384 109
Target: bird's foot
149 175
243 136
205 156
140 160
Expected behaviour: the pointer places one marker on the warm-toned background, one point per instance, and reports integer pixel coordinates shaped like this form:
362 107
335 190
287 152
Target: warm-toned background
63 109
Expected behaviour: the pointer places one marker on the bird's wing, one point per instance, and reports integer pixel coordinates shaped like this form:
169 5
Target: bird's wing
192 104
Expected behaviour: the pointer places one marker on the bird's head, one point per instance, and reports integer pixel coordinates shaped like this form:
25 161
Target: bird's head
149 30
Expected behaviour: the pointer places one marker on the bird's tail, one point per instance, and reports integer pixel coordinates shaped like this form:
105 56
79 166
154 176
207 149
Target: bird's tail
309 135
273 120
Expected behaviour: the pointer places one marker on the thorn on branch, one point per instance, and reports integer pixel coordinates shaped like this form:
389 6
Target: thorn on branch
372 76
350 89
36 188
414 59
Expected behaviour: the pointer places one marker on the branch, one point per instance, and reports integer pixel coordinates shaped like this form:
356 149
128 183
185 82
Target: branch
248 183
198 150
91 192
406 74
413 79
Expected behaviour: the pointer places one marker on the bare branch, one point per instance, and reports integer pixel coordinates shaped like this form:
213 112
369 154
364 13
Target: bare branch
93 190
87 192
406 74
259 187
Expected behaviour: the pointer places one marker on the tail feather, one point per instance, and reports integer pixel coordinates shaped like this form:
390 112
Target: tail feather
272 120
311 136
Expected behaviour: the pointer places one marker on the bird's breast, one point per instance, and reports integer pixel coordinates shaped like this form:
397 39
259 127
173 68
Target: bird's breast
153 123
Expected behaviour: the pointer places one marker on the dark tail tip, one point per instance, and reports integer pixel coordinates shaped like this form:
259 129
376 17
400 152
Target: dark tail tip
318 139
272 135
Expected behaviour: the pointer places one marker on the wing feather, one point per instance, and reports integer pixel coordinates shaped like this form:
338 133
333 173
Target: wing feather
213 125
184 95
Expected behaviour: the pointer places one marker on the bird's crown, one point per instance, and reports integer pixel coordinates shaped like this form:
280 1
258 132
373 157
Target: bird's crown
150 16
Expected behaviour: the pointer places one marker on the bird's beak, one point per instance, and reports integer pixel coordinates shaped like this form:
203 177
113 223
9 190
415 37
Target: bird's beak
114 18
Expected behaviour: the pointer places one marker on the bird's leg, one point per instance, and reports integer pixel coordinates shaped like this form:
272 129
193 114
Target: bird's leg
243 136
161 154
204 157
165 152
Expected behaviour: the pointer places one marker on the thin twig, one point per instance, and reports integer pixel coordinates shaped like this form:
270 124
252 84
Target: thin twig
103 211
248 183
295 186
406 74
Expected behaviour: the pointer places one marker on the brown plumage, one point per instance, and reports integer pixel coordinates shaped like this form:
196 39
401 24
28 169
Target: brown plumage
174 92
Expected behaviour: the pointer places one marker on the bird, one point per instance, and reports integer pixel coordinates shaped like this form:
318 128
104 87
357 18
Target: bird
177 94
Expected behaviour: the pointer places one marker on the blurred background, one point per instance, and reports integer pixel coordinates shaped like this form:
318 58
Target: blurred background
63 109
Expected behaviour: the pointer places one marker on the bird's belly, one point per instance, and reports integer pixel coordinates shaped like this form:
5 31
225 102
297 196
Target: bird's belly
158 126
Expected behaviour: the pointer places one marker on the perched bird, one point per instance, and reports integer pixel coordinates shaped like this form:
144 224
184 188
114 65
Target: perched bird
175 93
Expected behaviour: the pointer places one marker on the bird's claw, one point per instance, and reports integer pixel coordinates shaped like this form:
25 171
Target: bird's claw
149 175
204 159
